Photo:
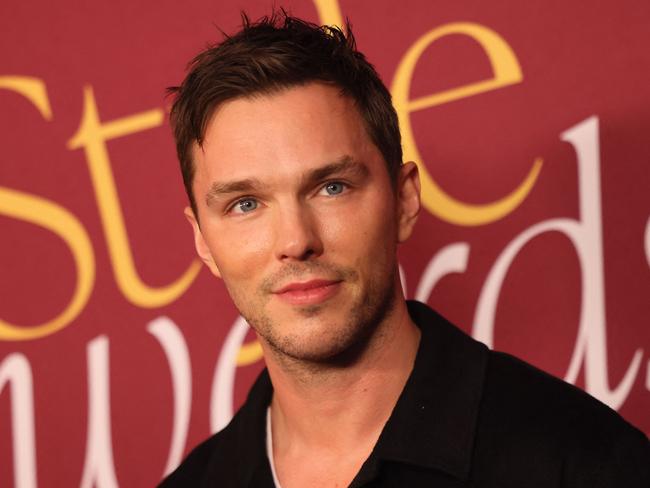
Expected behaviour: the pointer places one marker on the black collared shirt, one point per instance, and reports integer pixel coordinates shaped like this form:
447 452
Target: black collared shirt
467 417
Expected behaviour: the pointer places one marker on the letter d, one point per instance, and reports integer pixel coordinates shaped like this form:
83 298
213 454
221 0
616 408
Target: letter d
587 237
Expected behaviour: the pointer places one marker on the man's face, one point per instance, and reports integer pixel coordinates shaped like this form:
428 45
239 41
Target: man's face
298 216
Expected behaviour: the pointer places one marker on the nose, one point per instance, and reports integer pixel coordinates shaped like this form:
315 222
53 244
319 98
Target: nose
297 235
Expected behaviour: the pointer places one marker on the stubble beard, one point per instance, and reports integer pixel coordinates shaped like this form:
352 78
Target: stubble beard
362 320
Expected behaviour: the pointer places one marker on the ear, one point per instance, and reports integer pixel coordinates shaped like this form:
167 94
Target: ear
201 246
408 200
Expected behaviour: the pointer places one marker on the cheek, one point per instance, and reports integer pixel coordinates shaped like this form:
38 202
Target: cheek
363 231
239 251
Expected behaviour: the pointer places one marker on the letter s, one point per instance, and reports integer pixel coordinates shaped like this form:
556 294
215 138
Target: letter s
53 217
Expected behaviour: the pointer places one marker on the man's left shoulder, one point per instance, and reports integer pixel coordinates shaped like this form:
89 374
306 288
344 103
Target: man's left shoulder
533 412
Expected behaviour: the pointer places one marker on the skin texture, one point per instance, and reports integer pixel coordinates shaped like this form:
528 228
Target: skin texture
299 217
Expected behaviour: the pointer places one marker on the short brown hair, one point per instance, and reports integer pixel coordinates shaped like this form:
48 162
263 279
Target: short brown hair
273 54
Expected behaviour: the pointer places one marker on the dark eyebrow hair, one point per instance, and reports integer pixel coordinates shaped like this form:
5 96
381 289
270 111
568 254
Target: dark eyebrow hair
345 164
239 186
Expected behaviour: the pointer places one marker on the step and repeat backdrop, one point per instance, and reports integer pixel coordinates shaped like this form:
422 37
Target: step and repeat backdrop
530 122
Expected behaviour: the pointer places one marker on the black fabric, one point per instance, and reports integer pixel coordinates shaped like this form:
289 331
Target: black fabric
467 417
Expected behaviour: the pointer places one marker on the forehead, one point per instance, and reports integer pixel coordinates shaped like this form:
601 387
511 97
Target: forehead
281 134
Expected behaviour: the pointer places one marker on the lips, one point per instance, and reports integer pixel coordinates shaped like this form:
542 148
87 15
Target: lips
311 292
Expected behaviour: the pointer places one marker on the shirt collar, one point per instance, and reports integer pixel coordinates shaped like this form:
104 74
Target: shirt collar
253 467
433 422
435 418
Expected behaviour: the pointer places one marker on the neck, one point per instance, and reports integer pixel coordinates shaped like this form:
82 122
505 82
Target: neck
334 407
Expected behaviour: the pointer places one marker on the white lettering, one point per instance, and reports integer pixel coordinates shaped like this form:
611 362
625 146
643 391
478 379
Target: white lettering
402 279
99 468
178 357
15 370
586 236
223 383
450 259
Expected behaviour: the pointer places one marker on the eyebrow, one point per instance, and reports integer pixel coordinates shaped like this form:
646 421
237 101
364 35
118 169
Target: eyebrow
344 165
218 189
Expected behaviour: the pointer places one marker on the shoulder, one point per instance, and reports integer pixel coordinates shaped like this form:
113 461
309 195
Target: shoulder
206 460
529 413
526 393
232 454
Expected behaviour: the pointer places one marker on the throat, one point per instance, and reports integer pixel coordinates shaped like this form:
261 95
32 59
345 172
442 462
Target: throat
315 468
332 416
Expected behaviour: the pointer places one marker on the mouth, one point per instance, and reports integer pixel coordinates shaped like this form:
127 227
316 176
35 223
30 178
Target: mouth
311 292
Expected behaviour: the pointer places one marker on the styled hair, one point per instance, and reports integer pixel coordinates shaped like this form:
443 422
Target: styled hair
273 54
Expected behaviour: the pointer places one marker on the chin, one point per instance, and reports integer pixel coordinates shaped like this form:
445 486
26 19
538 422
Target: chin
319 347
333 339
336 331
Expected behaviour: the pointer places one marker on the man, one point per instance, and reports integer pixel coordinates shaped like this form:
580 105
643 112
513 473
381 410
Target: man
290 152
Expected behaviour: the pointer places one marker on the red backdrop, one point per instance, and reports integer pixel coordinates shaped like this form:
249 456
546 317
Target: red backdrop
117 353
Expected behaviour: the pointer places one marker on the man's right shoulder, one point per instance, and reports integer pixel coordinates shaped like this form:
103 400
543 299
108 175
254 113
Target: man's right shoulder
232 454
206 461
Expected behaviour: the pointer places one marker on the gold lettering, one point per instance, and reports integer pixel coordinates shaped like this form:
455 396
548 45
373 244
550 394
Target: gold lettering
61 222
47 214
92 136
33 89
249 353
506 71
329 12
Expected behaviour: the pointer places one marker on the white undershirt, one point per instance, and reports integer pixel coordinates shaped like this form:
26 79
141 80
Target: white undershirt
269 447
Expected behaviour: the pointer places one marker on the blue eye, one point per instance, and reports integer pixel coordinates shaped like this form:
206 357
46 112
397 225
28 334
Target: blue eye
245 205
334 188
